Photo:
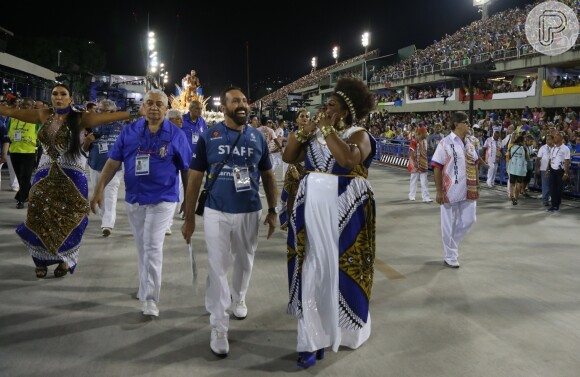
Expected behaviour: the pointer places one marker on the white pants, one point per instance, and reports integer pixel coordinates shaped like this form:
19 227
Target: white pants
148 223
108 211
491 172
229 237
13 180
456 221
284 170
276 159
424 186
177 205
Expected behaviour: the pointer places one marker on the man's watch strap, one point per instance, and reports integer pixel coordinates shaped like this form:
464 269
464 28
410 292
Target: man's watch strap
272 210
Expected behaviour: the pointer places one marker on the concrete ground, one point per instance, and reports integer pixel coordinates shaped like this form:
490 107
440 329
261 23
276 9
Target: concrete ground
512 309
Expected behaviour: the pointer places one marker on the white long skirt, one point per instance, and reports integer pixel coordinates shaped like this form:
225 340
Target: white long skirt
318 327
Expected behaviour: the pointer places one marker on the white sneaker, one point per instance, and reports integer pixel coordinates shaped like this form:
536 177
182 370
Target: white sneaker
15 188
168 232
428 200
219 343
240 310
106 232
453 263
150 308
261 195
411 199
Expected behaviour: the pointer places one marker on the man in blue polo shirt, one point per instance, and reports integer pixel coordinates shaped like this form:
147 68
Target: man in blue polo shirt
98 142
153 151
193 124
232 210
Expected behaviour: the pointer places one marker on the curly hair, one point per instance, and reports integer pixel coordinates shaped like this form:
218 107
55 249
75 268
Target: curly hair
359 94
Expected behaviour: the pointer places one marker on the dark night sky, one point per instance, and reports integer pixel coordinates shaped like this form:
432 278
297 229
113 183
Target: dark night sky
211 37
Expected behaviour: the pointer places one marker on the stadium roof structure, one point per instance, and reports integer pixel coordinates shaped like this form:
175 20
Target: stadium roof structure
313 78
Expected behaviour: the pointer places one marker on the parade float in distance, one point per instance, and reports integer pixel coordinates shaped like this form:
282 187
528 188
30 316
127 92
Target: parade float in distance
189 91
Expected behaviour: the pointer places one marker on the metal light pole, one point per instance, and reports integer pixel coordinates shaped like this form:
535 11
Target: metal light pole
366 40
150 51
216 103
58 58
161 74
483 7
314 64
335 54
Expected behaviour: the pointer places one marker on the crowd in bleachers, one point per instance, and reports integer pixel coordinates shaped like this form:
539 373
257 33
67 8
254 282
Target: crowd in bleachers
311 79
473 43
566 81
507 86
503 30
390 97
353 72
533 122
427 91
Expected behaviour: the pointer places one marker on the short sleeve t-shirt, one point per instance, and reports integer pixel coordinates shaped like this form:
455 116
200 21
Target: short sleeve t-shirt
250 151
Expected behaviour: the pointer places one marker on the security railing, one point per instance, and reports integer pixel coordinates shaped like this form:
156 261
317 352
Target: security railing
446 65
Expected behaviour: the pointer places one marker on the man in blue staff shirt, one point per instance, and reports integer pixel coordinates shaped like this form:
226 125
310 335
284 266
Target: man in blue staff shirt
98 142
154 151
232 210
193 124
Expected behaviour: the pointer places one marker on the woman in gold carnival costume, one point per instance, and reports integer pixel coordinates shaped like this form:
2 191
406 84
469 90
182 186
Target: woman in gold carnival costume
292 178
331 233
58 205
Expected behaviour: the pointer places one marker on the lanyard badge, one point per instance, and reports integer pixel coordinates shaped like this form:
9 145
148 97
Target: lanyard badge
103 147
142 164
242 180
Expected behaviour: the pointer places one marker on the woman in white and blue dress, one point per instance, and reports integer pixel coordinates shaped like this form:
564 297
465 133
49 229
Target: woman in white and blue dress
331 232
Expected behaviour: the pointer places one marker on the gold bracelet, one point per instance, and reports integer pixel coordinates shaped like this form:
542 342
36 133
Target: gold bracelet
327 130
301 136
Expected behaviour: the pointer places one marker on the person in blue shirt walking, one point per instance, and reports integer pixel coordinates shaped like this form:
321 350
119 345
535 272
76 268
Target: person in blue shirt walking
232 210
193 124
98 142
153 151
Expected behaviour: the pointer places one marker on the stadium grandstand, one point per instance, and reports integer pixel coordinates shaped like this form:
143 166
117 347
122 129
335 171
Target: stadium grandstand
512 85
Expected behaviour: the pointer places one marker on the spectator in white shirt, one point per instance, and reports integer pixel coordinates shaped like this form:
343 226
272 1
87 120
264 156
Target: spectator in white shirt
542 161
492 157
559 165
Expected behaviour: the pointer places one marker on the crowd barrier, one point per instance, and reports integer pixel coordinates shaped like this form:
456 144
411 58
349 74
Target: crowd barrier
395 152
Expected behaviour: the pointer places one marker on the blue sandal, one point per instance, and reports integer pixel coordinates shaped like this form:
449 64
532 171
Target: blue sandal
308 359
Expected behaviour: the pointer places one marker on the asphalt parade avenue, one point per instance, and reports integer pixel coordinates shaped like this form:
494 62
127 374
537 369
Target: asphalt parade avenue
511 310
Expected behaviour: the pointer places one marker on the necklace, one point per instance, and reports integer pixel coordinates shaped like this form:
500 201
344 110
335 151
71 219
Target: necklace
66 110
320 139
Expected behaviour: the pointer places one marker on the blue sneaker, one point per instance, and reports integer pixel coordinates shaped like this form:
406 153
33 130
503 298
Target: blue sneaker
553 209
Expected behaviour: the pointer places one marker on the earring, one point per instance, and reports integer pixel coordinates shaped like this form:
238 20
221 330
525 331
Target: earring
340 125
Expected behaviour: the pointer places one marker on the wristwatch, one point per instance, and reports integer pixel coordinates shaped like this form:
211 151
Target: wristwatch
272 210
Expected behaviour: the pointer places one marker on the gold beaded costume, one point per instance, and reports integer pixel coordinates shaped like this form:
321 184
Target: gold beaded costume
58 208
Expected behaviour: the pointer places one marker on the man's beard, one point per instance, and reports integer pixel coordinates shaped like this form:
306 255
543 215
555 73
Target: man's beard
238 119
